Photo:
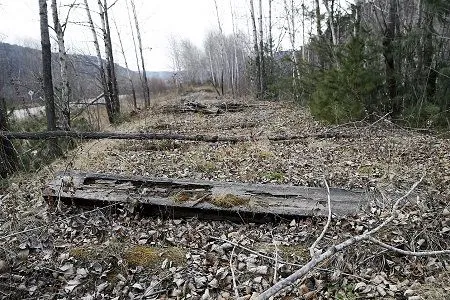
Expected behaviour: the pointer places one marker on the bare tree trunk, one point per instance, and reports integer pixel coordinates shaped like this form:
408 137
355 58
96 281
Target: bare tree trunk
290 15
222 58
63 105
126 66
235 65
110 69
47 75
256 50
270 30
331 21
428 53
144 74
357 13
211 69
262 52
318 19
8 158
115 87
303 31
134 43
109 107
388 52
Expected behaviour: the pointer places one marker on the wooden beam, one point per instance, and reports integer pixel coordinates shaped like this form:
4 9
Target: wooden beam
203 199
47 135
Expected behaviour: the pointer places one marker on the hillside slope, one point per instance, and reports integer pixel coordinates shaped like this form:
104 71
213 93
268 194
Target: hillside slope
21 71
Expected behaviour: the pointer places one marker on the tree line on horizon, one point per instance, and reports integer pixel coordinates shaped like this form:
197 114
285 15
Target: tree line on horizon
346 61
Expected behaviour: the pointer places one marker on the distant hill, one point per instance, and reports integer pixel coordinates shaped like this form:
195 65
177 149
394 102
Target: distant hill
20 72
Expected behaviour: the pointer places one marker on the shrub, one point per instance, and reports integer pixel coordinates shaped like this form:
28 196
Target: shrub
343 92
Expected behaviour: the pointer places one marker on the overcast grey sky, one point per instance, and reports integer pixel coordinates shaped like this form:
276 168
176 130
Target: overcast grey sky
191 19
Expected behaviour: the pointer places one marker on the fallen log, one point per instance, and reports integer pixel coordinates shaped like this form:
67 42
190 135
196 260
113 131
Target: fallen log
204 199
46 135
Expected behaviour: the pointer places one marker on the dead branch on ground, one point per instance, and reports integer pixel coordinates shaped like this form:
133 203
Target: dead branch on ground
366 236
47 135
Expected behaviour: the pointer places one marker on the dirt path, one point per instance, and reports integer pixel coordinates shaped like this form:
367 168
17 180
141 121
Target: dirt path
113 253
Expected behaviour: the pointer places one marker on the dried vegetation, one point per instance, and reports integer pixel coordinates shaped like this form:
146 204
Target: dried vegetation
112 253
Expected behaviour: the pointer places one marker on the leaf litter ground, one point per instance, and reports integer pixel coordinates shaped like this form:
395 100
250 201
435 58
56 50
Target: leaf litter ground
113 253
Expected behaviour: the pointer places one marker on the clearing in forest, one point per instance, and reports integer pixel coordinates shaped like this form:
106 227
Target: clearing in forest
113 252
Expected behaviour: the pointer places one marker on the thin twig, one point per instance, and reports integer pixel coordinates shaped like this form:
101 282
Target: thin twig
406 252
312 249
315 260
236 292
254 252
275 271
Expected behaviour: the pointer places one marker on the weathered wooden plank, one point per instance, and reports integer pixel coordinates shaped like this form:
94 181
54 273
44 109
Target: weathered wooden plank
47 135
205 199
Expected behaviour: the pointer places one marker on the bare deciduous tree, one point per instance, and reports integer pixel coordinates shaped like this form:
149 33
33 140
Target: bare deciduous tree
62 106
110 67
130 79
257 52
144 74
47 75
262 54
106 94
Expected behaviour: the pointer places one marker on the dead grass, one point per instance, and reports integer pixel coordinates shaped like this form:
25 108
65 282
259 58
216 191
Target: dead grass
229 201
439 290
147 256
135 255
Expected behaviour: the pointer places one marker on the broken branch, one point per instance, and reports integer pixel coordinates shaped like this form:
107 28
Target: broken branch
45 135
316 259
406 252
312 249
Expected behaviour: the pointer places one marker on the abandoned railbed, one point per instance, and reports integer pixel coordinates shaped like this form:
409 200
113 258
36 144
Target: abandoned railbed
203 199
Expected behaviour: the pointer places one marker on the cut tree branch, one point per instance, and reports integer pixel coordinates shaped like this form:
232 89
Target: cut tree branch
46 135
312 249
406 252
316 259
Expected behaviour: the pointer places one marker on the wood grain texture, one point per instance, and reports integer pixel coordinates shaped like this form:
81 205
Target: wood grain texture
188 198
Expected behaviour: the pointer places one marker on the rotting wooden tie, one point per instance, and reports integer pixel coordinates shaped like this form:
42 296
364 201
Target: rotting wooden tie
203 199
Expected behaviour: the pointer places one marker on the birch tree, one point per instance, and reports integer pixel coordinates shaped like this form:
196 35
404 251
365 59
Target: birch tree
145 86
126 66
62 106
221 48
291 14
262 73
136 52
106 93
47 75
256 51
110 66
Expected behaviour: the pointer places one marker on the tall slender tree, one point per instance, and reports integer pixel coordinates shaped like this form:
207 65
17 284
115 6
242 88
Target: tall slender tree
256 52
62 106
126 65
136 52
262 54
101 66
389 57
47 76
145 86
110 66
